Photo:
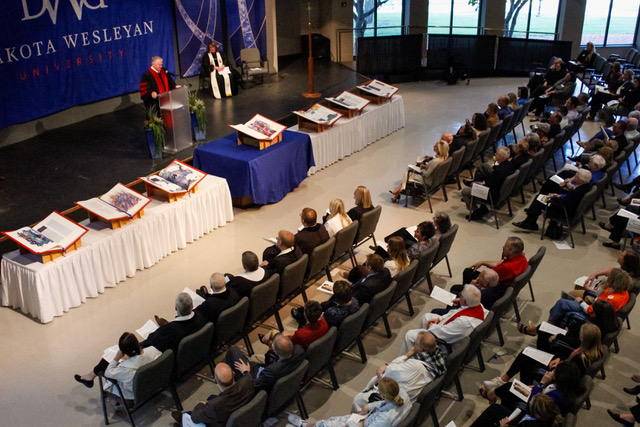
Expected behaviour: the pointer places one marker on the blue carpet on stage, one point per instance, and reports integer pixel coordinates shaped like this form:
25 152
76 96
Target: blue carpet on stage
265 175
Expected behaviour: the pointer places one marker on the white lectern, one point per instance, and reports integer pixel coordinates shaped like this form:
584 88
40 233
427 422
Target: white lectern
174 105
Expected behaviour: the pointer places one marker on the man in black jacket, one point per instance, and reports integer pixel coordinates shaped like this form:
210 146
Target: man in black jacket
275 258
495 176
313 234
570 197
290 356
253 275
220 298
376 280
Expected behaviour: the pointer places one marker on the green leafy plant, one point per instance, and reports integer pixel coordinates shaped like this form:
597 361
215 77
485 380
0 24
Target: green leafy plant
156 124
196 106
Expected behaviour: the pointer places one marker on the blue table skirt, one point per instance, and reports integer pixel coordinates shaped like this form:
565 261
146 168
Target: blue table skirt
265 175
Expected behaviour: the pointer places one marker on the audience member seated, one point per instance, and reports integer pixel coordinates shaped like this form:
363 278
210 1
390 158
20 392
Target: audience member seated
617 225
169 334
562 385
427 166
590 350
275 258
489 176
453 326
601 139
223 82
520 154
539 84
397 259
312 328
628 260
466 133
423 363
217 410
512 263
619 89
376 279
287 358
218 300
479 122
130 357
341 305
442 222
253 275
338 218
393 407
503 107
424 237
614 290
313 234
572 112
632 129
492 115
583 103
568 197
543 412
362 199
555 95
625 103
586 58
513 100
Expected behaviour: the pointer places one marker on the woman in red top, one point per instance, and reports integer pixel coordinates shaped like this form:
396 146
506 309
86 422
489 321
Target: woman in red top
615 291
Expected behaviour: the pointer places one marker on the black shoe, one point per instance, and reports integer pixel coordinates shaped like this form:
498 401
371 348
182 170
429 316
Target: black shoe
603 226
526 225
86 383
177 415
468 182
611 245
632 390
298 314
575 159
624 187
260 337
616 417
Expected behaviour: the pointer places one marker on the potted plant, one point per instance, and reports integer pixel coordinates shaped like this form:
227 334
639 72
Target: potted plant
154 129
198 116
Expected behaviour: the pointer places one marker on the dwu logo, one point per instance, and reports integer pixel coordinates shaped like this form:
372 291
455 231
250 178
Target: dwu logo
52 9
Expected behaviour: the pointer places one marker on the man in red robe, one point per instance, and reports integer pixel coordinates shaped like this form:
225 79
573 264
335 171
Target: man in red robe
154 82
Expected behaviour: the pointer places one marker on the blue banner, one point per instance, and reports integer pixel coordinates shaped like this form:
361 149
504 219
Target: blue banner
197 22
247 26
55 54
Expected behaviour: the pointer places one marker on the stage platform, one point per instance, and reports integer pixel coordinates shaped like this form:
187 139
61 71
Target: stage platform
83 160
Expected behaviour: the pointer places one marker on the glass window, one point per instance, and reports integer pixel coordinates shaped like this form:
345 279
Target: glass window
463 21
369 18
622 26
465 17
610 22
544 15
390 15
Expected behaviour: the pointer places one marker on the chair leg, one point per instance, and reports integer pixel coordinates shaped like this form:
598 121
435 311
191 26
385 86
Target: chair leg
332 374
434 416
429 200
176 398
446 259
126 408
444 193
533 299
363 355
374 239
409 304
247 342
103 401
303 409
500 336
385 320
516 310
352 257
604 376
544 220
495 217
616 347
429 281
509 206
573 245
279 321
304 293
628 324
480 359
456 379
327 271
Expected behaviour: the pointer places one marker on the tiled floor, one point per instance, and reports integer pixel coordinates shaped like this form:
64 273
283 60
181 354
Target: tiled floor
37 362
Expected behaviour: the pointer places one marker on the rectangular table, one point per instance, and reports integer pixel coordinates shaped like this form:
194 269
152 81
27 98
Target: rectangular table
348 136
265 175
110 256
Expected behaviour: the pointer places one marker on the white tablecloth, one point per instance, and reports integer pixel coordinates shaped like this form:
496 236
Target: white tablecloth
350 135
110 256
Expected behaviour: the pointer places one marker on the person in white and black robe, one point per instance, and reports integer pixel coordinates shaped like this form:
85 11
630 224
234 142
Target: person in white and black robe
223 82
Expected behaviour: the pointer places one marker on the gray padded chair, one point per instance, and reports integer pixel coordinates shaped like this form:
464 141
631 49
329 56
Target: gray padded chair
318 261
319 355
534 263
505 197
446 241
193 352
437 182
230 324
404 281
578 217
285 389
424 263
368 223
344 245
412 416
623 312
427 400
454 363
291 283
499 308
456 161
349 332
378 308
262 301
475 344
253 65
150 380
250 415
518 283
518 187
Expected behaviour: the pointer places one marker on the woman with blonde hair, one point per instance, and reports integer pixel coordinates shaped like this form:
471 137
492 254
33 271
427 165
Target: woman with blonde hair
398 258
389 411
492 115
338 218
513 100
362 198
427 167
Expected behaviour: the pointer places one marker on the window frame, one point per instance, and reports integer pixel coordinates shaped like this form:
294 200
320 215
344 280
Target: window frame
606 29
479 30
